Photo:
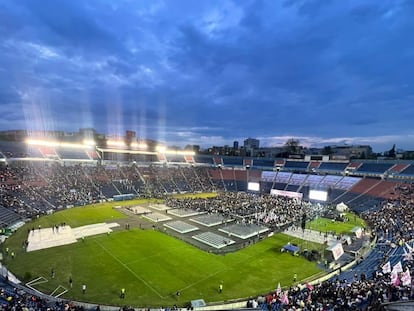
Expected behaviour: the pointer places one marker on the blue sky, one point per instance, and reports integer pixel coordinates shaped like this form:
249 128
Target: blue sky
211 72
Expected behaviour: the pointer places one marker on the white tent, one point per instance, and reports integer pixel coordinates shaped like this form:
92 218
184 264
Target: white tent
337 250
341 207
358 232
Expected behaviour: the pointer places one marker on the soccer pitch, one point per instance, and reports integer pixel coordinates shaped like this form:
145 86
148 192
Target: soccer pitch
150 265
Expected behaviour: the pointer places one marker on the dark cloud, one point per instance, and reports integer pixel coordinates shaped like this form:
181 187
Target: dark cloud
188 70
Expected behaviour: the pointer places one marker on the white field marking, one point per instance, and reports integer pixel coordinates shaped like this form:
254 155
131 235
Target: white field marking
132 272
36 281
60 294
39 280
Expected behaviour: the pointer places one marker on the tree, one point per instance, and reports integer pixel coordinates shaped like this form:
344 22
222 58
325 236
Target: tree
327 150
391 152
292 146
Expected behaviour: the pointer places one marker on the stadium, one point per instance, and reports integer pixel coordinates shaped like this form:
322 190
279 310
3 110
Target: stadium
115 225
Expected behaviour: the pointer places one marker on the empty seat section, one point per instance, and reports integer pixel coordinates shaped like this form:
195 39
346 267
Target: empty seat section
293 188
297 179
408 171
229 179
263 163
266 186
279 186
241 180
216 178
254 175
232 161
375 168
335 193
203 160
347 182
296 165
93 155
76 154
365 185
383 190
330 181
332 166
8 217
175 159
398 168
314 165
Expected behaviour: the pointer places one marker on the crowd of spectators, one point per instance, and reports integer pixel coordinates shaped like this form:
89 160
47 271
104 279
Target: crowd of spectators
31 189
394 221
338 295
393 225
17 299
275 212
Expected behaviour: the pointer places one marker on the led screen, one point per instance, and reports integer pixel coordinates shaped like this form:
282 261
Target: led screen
253 186
318 195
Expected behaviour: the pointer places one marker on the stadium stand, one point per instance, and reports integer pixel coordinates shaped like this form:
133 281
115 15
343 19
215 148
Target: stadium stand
16 150
408 171
175 159
241 180
93 155
296 165
279 185
247 162
290 187
332 167
347 182
218 161
8 218
48 152
233 161
398 168
115 157
314 165
203 160
313 181
228 177
354 165
254 175
373 168
297 179
72 154
263 163
217 179
330 181
29 189
358 196
283 177
189 159
280 162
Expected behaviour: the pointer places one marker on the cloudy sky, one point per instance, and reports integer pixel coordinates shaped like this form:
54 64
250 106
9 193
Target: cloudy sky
211 72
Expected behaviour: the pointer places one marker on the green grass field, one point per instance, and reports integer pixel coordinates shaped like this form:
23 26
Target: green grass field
324 224
151 265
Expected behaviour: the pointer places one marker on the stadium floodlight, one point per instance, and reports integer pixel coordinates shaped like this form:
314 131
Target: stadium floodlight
161 149
116 143
179 152
136 145
164 150
89 142
41 142
51 143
